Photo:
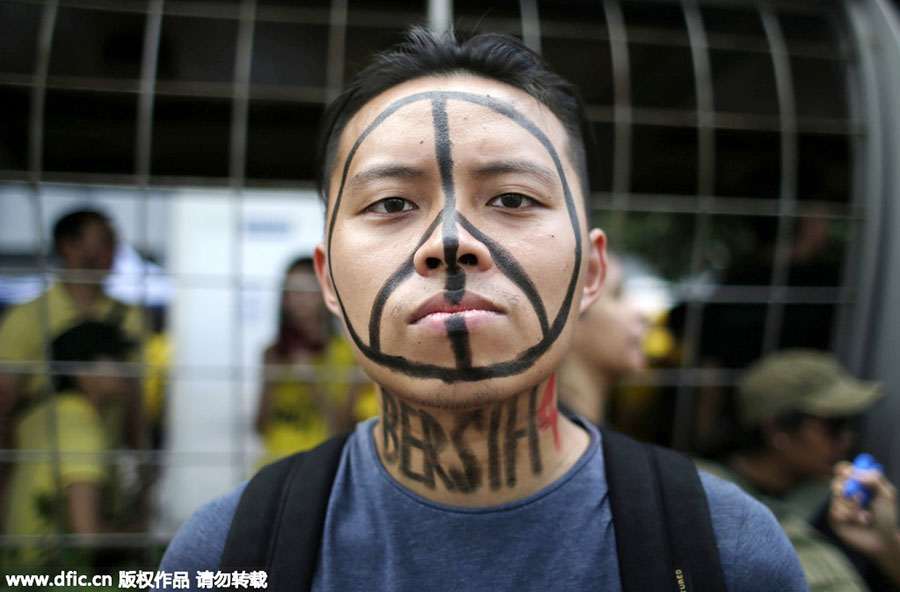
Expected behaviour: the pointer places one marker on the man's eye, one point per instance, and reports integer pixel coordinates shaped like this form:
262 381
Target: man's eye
511 201
390 205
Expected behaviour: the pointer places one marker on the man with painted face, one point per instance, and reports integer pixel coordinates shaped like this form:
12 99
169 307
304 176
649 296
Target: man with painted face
458 258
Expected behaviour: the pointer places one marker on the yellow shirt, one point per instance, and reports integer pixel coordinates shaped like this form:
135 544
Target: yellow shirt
23 327
298 420
35 505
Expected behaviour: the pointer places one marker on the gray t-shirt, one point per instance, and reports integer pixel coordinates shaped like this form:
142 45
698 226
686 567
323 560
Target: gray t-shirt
381 536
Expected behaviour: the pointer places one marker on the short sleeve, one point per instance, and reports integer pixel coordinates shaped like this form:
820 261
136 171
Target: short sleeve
82 442
18 335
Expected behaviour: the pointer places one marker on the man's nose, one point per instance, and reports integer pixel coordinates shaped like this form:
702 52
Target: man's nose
450 250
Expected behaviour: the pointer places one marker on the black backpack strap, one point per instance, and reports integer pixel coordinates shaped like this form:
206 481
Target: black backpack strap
692 539
664 535
278 524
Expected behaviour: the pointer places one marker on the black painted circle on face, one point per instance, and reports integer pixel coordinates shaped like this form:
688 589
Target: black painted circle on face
450 217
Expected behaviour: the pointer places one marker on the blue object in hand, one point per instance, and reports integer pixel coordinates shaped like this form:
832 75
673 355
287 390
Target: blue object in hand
853 488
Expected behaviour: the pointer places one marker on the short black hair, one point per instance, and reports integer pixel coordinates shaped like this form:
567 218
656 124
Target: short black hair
494 56
87 342
71 226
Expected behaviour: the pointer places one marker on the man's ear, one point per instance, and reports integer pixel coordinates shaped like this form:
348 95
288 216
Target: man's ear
773 435
596 268
320 263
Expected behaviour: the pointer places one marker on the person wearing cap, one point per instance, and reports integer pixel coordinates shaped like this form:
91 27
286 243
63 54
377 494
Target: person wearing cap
797 412
71 490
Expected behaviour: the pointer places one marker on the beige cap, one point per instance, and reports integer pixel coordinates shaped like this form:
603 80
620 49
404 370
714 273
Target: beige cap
804 380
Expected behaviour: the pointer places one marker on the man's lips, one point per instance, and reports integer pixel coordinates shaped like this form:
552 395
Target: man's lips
438 308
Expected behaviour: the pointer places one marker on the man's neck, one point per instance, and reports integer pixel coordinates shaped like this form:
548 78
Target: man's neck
764 472
584 387
85 296
478 457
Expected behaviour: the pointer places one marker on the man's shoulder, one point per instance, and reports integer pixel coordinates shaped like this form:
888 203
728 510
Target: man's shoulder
74 406
71 409
19 324
727 499
719 480
753 549
199 543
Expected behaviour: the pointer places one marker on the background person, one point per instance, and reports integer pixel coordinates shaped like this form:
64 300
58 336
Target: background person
870 536
608 344
310 389
70 423
85 243
797 410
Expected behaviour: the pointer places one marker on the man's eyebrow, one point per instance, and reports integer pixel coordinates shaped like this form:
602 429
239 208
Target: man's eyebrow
515 166
386 171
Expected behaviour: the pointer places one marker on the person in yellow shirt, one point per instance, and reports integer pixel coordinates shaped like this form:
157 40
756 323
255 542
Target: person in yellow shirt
85 243
311 387
63 482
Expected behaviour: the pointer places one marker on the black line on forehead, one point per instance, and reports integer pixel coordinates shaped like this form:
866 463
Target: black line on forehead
392 284
456 277
524 360
379 119
507 110
540 136
511 269
445 165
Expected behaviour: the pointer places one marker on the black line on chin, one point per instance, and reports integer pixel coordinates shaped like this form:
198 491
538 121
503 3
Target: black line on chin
459 340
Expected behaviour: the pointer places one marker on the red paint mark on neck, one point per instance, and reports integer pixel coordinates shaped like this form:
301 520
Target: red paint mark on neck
548 414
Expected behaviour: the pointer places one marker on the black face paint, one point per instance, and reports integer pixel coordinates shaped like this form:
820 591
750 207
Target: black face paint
513 435
534 442
388 288
468 479
419 459
433 441
407 443
389 420
445 166
494 450
456 286
459 341
510 269
455 280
